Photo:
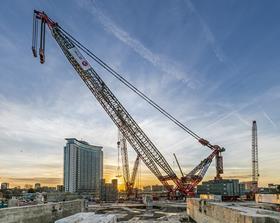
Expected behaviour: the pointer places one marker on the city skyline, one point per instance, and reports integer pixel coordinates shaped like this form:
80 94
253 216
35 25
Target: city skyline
215 70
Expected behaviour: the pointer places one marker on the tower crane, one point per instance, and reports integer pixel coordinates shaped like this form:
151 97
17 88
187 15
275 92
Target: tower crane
129 180
129 128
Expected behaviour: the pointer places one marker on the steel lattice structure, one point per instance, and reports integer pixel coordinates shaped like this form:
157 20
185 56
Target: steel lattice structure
129 180
128 127
255 161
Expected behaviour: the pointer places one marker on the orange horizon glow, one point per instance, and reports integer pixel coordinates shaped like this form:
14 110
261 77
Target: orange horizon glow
151 180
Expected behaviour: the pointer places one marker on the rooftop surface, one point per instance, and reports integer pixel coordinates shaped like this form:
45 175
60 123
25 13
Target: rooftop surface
247 208
250 209
82 143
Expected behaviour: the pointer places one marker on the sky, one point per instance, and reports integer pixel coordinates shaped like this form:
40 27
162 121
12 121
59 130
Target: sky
214 65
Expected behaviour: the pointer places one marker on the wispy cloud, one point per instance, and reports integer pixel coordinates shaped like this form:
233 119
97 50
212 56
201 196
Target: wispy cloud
208 33
269 119
161 62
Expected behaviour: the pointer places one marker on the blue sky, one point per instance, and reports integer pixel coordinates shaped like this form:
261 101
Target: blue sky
212 64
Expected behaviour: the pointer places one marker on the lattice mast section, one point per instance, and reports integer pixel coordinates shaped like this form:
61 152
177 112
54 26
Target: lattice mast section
255 161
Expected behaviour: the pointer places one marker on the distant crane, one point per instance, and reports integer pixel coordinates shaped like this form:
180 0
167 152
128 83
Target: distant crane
129 128
118 168
255 160
129 180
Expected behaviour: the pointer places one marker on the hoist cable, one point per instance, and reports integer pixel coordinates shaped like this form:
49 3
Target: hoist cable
128 84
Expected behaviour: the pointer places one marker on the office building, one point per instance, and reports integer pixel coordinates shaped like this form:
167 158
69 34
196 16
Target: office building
47 189
83 167
157 188
251 186
37 186
147 188
109 191
224 187
60 188
4 186
27 186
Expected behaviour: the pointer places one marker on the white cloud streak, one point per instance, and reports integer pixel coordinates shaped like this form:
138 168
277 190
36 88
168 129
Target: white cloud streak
208 33
163 63
269 119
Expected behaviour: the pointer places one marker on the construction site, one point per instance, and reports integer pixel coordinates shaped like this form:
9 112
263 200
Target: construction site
181 188
181 196
129 130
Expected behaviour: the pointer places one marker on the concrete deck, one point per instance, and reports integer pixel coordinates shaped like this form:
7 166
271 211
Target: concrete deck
41 213
232 212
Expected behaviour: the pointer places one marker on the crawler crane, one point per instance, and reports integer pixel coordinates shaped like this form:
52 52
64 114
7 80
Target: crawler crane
143 146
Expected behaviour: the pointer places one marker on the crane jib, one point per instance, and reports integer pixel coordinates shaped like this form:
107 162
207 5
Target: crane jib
79 58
